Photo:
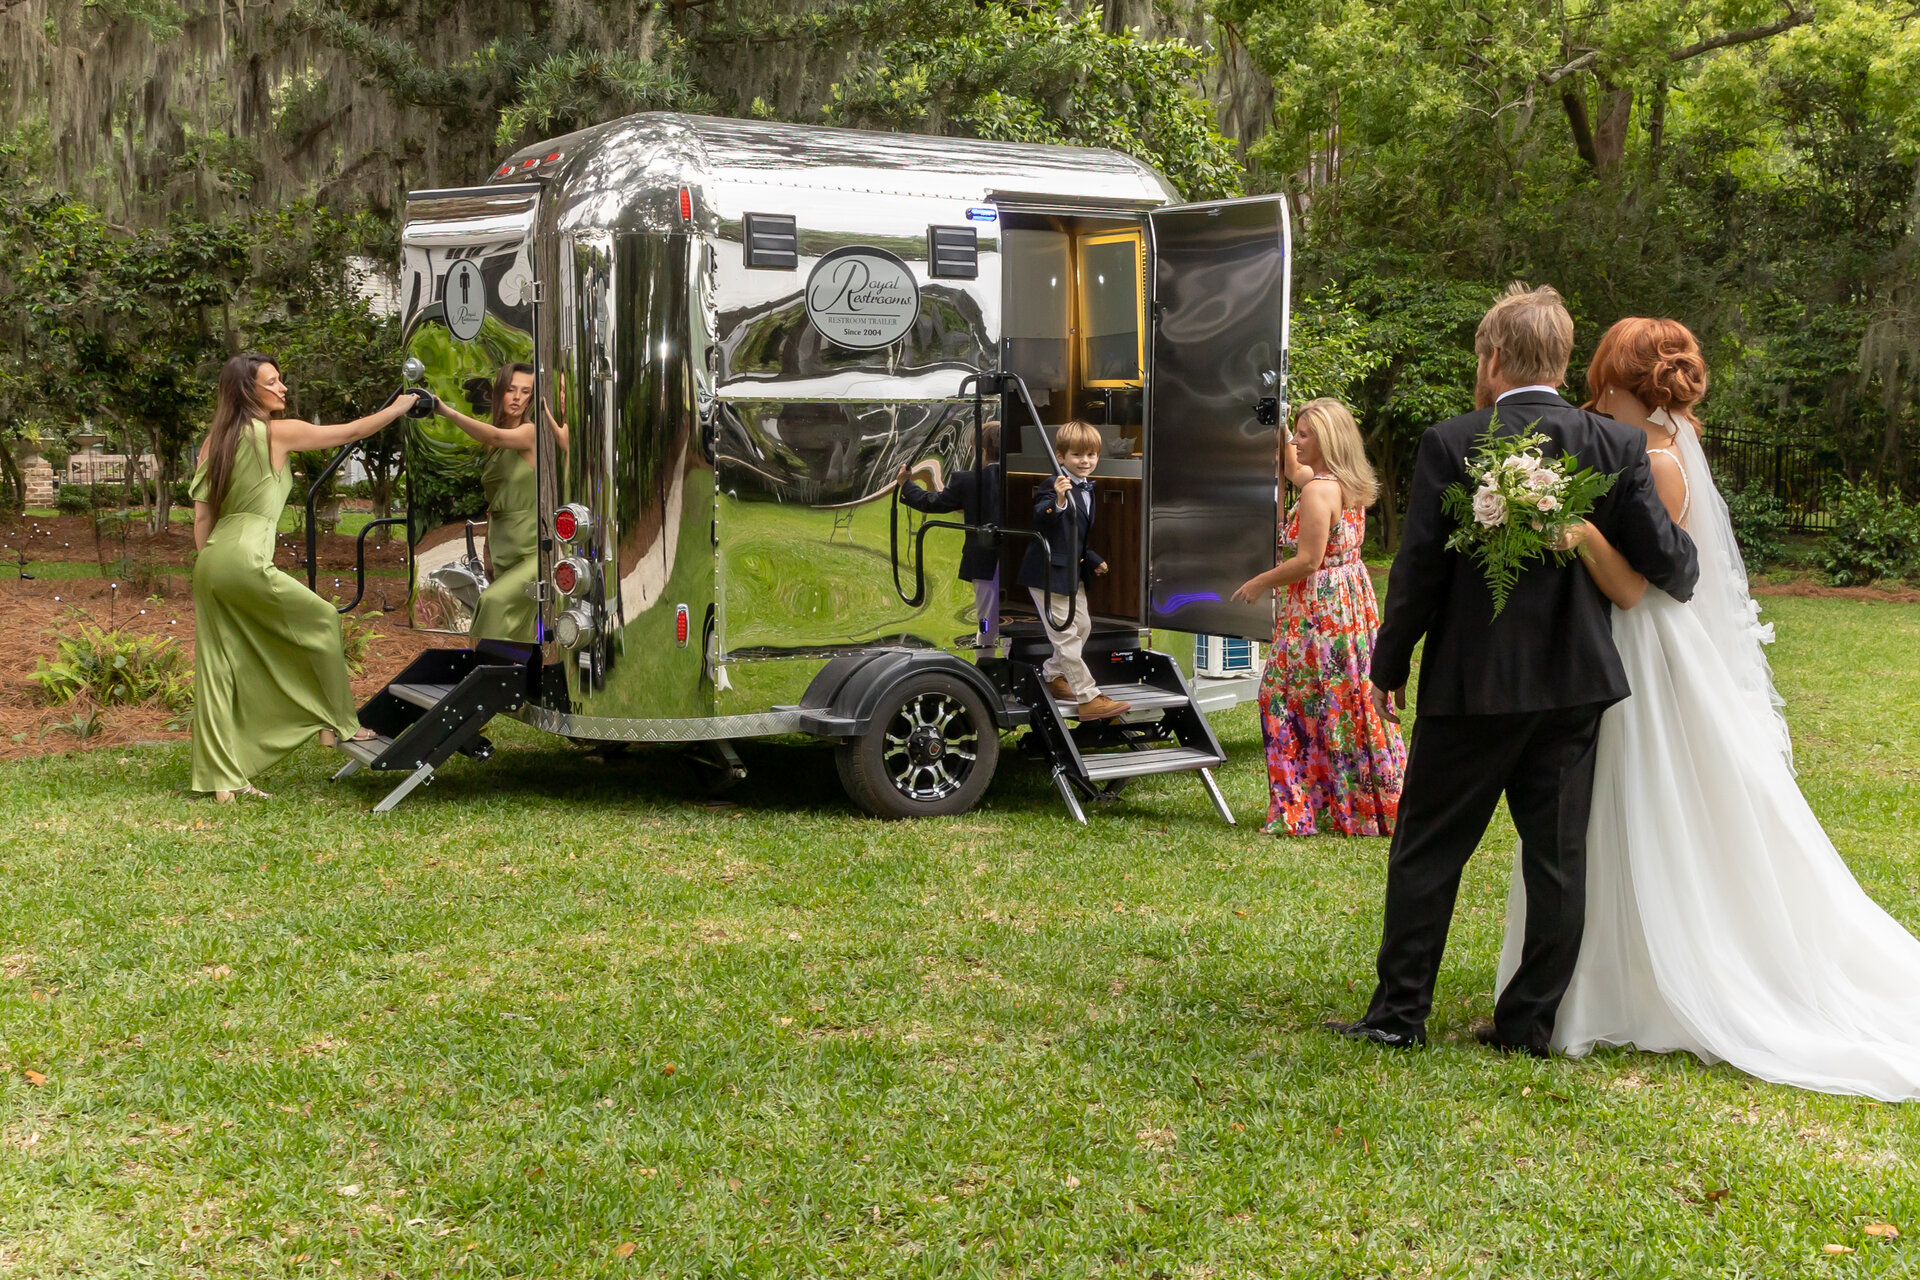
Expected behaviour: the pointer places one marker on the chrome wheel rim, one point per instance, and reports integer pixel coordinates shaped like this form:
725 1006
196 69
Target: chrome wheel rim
930 747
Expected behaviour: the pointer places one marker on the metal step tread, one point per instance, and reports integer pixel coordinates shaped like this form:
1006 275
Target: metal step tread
1135 764
366 751
1139 697
421 695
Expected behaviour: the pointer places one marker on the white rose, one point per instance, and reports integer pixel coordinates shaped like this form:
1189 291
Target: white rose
1489 508
1541 479
1517 462
1547 502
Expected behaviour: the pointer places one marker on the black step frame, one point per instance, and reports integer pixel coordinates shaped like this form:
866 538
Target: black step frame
489 680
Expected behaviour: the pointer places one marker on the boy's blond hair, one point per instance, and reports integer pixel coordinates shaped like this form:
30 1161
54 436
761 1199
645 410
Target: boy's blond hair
1533 333
1076 437
1342 451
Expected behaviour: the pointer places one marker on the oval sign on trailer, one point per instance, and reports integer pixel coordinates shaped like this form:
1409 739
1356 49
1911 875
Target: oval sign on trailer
862 298
465 299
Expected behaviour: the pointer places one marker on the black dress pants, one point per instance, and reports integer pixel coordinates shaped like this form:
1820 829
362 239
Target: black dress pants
1457 768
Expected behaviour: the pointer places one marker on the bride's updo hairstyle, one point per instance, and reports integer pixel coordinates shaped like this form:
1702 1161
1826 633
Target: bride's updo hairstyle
1658 361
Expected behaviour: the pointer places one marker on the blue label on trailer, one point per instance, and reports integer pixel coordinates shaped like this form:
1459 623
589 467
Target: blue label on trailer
983 213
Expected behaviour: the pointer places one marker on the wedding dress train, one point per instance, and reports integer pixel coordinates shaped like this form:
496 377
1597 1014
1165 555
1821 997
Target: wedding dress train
1720 919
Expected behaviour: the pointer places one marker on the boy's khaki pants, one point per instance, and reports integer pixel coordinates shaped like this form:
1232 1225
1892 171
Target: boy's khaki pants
1067 662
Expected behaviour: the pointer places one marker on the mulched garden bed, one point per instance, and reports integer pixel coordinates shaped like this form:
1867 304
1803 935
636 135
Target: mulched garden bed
32 612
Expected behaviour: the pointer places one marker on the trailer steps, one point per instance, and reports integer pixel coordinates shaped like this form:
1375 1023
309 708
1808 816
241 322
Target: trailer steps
435 710
1163 731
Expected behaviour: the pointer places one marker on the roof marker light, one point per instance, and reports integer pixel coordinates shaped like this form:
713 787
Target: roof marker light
686 205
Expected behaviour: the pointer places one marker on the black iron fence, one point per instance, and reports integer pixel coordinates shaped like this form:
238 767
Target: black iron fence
1792 470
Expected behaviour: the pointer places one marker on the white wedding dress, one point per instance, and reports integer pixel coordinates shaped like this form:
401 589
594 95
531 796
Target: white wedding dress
1720 919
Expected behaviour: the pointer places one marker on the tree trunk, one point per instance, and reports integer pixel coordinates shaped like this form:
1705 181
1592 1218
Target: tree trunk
1576 107
16 483
1610 136
1656 127
164 468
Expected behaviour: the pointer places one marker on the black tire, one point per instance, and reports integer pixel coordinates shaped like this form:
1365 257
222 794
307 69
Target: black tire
931 750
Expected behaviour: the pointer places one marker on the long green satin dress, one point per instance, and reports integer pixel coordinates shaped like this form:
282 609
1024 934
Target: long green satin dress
269 667
505 611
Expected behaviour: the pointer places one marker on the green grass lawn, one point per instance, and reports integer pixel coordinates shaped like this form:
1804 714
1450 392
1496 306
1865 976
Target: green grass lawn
558 1007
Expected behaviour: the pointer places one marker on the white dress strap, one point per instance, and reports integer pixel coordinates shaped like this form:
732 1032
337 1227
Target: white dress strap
1686 485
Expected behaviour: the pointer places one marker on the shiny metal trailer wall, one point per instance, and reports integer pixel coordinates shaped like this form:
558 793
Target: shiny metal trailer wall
740 332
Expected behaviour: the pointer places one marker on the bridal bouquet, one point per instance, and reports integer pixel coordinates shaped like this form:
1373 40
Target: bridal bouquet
1518 505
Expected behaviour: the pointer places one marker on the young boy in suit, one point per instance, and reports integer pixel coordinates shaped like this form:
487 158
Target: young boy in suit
976 495
1064 514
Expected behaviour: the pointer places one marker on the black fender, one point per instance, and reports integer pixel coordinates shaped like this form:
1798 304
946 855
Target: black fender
846 695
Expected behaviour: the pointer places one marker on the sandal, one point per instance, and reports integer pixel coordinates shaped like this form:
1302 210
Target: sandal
252 792
328 738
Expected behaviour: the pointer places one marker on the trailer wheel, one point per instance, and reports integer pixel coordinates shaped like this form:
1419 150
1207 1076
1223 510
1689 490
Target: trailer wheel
930 750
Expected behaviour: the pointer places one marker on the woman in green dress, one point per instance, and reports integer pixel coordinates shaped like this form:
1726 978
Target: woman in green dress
269 668
505 611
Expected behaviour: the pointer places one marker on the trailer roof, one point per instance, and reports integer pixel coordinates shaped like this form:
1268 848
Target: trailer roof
659 149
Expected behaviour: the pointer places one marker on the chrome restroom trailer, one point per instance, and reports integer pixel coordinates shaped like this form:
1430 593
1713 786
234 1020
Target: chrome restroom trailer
739 332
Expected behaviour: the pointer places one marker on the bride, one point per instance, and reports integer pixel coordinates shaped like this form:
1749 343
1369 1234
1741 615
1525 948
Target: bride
1720 919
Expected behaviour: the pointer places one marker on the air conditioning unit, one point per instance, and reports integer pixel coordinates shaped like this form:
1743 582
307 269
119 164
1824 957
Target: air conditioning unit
1224 657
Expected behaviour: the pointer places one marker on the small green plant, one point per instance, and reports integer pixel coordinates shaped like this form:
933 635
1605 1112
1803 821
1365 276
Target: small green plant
1759 524
1873 536
357 639
82 726
114 667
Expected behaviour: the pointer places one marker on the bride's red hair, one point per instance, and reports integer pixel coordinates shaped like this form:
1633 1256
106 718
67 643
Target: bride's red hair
1658 361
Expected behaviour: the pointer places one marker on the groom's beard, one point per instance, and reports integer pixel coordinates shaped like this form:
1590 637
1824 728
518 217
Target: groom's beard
1483 396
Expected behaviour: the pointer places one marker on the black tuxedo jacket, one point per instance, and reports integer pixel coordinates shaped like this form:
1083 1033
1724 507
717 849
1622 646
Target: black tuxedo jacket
1064 530
978 504
1552 647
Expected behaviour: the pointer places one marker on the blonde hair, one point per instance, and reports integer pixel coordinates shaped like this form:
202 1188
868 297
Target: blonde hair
1533 333
1076 437
1342 452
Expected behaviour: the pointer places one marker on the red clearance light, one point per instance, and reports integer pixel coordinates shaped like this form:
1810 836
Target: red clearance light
564 526
686 205
680 625
503 170
551 158
529 162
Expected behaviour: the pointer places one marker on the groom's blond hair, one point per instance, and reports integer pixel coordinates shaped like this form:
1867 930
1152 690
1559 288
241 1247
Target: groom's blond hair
1533 333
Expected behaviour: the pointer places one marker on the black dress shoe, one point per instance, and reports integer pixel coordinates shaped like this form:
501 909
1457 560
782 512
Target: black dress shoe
1487 1034
1379 1035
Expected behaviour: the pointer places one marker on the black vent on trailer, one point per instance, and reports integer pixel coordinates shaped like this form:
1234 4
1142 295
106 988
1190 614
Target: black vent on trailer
953 253
773 242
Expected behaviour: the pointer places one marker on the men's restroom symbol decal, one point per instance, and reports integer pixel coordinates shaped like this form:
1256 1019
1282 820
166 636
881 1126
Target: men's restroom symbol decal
465 299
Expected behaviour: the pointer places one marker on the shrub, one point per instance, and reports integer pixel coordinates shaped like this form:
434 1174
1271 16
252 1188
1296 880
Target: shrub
1759 521
1873 536
356 638
74 499
111 667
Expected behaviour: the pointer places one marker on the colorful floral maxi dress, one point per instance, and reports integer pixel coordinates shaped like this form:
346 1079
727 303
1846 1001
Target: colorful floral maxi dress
1332 764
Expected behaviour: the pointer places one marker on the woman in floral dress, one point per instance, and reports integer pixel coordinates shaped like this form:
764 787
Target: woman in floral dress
1333 766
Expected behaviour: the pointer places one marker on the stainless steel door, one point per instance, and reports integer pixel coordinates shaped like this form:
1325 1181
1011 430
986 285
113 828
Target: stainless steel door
1220 298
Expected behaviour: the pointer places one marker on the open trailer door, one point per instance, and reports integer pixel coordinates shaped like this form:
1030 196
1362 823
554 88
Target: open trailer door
468 301
1219 342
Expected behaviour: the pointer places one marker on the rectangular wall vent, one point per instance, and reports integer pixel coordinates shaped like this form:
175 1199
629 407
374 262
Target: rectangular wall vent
773 242
953 253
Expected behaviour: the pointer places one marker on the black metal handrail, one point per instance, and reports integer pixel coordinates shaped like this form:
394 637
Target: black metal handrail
313 530
977 383
360 560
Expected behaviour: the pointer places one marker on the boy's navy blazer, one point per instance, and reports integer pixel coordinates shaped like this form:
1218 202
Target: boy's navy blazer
1064 530
980 557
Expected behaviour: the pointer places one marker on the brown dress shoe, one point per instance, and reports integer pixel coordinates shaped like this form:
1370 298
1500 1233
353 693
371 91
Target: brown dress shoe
1060 689
1102 708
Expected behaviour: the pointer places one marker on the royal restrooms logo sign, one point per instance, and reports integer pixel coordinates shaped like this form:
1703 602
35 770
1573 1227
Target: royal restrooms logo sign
862 298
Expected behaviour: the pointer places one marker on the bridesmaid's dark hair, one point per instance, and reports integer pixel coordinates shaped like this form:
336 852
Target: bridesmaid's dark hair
502 383
236 403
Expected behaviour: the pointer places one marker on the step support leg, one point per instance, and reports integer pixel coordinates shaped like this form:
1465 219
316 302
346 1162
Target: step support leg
1065 784
347 770
399 793
1219 801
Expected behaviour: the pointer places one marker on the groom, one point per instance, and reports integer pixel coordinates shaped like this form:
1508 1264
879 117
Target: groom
1509 704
